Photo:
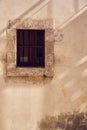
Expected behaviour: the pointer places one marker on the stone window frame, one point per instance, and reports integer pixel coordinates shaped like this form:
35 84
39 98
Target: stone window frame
12 69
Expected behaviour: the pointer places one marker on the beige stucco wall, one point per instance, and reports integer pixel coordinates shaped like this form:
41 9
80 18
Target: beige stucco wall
23 105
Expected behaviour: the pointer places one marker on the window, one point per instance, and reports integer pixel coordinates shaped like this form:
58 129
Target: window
30 48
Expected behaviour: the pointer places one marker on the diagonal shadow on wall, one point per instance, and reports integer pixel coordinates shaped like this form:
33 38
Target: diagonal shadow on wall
26 12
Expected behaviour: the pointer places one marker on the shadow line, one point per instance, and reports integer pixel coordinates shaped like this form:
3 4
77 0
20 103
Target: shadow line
72 17
25 13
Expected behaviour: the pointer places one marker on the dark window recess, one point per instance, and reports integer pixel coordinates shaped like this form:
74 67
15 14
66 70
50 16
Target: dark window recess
30 48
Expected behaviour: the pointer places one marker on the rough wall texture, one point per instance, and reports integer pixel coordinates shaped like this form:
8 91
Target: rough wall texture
23 105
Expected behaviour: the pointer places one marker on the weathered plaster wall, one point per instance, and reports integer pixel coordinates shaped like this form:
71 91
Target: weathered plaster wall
60 10
22 105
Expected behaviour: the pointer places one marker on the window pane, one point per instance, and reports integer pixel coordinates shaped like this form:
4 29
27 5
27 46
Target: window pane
31 38
40 37
39 51
26 37
26 50
20 37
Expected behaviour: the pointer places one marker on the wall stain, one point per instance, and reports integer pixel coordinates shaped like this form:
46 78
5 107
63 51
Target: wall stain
65 121
64 91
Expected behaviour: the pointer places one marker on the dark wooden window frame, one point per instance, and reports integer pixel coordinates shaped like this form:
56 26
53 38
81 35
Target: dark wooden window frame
30 48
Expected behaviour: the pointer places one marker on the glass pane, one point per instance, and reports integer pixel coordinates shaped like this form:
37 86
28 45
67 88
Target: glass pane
26 51
26 37
20 37
31 38
39 52
40 37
